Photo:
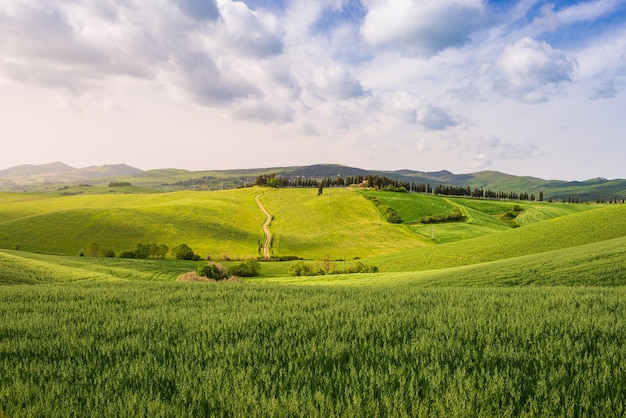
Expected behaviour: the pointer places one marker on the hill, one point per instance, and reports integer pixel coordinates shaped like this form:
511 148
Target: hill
59 174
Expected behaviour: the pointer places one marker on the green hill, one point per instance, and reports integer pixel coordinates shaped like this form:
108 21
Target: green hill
602 223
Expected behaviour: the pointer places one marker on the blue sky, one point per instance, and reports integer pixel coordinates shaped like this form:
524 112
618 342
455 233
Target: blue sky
524 87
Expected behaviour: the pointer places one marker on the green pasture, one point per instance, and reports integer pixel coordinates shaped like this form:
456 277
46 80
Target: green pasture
602 223
339 224
597 264
486 320
225 223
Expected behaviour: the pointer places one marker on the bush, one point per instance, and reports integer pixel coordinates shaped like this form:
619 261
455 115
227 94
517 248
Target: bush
184 252
213 271
249 268
109 253
301 269
385 211
127 254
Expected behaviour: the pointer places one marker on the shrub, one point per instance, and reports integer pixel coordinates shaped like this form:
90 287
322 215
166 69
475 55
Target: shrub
249 268
184 252
301 269
213 271
127 254
109 253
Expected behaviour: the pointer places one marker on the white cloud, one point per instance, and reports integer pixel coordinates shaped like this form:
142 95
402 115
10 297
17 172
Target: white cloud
489 150
532 71
425 27
416 110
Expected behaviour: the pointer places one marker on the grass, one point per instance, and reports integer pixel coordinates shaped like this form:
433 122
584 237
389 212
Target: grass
216 223
597 264
339 224
525 321
603 223
197 349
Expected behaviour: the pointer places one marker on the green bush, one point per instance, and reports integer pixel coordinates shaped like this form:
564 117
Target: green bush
213 271
184 252
301 269
249 268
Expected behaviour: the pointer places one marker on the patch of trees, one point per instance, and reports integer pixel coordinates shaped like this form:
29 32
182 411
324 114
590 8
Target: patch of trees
144 251
119 184
217 272
385 211
303 269
455 216
184 252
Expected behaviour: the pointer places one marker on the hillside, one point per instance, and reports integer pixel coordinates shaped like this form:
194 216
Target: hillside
340 224
60 174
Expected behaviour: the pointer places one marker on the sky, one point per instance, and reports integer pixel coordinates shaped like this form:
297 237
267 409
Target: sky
526 87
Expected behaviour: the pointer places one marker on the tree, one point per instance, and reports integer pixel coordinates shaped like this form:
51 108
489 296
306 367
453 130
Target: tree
184 252
213 271
249 268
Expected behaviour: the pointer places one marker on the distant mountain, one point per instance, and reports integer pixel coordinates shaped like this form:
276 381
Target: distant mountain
25 176
58 172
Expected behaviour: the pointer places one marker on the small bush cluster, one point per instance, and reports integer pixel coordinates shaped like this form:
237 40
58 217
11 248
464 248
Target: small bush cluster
302 269
119 184
217 272
249 268
455 216
184 252
385 211
144 251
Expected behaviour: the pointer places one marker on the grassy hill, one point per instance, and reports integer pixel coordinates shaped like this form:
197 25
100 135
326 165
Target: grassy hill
515 310
219 223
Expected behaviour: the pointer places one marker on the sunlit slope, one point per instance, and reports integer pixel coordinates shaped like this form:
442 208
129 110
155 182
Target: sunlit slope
482 216
339 224
216 223
18 267
602 223
597 264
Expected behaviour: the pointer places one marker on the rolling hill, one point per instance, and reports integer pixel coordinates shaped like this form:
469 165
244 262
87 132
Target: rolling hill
59 174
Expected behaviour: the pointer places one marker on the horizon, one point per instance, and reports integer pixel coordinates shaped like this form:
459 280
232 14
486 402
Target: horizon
309 165
526 88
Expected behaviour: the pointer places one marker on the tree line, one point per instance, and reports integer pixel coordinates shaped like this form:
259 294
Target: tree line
385 183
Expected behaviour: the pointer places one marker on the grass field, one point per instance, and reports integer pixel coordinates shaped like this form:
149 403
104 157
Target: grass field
338 224
486 320
128 349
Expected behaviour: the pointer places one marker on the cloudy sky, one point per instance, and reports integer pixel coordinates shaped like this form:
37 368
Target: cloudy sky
527 87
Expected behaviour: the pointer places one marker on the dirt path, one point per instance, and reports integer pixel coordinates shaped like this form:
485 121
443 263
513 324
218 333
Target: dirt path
266 226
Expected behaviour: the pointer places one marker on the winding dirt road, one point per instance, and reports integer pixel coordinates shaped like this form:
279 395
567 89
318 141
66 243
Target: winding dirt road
266 226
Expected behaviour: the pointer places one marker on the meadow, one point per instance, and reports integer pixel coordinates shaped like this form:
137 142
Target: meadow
497 316
174 349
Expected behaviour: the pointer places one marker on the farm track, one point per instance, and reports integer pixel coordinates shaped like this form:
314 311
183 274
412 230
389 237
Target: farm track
266 226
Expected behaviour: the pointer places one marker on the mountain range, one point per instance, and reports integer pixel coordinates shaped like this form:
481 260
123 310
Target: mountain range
24 177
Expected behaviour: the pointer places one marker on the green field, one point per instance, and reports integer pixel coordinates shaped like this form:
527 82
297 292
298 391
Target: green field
517 310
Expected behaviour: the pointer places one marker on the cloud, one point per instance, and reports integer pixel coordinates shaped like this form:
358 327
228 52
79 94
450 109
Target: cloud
489 149
532 71
416 110
604 90
249 32
199 9
336 82
421 28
